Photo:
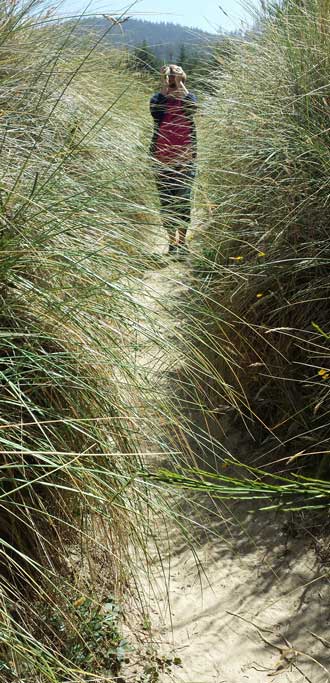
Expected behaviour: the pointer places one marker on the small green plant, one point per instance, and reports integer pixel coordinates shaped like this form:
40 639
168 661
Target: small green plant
100 645
157 665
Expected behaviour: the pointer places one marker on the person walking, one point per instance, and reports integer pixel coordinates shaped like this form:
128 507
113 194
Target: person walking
174 152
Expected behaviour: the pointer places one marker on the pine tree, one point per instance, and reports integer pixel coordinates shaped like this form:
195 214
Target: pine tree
143 58
182 56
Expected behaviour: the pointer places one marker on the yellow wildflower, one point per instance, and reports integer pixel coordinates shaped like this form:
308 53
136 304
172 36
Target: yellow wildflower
259 295
237 258
324 373
261 253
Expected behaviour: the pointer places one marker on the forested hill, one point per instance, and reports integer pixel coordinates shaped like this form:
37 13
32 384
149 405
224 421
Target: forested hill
164 38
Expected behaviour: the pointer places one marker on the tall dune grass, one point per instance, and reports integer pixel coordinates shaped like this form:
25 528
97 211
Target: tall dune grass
77 219
261 317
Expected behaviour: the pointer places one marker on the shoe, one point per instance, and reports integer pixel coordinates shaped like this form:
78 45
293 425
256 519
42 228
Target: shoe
172 250
182 252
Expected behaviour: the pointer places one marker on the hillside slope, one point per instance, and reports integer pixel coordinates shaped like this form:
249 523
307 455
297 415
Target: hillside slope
165 38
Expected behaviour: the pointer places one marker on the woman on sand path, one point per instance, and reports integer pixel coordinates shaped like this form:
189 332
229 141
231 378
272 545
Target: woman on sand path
173 149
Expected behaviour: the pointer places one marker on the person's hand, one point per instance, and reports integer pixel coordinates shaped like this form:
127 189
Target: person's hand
180 89
164 73
164 79
178 81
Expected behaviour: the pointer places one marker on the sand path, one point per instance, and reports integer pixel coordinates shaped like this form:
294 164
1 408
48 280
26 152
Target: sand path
253 604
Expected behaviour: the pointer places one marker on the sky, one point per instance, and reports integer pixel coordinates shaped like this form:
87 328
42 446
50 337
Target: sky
203 14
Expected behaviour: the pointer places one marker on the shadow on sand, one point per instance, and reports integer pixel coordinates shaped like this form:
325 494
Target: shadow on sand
280 553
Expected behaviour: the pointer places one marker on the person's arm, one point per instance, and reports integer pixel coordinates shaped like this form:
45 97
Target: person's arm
164 80
190 101
157 106
180 86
